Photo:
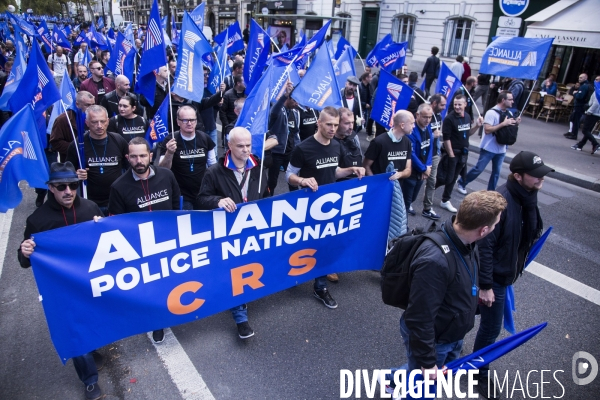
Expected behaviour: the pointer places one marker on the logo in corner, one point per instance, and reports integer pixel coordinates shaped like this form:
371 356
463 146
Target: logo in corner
537 160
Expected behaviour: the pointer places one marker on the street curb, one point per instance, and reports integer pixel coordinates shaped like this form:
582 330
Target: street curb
564 175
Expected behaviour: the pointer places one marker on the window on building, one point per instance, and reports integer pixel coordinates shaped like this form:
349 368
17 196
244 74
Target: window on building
403 29
457 37
342 26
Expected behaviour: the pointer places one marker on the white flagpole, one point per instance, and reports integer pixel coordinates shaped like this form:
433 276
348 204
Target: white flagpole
170 102
84 186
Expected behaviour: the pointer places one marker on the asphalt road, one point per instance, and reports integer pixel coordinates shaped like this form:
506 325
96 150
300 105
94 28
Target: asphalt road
300 346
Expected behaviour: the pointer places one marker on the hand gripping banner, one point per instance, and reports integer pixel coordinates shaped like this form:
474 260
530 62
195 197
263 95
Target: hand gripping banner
104 281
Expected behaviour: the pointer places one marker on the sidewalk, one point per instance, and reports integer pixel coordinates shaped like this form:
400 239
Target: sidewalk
546 139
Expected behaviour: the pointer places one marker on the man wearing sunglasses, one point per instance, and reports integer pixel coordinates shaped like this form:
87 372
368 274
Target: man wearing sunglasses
98 85
64 207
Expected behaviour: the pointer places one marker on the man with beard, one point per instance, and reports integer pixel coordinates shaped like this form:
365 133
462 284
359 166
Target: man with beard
503 252
350 100
64 207
144 188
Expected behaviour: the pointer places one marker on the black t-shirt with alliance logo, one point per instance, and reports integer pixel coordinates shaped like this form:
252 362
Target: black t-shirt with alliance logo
189 161
101 91
383 151
308 123
159 192
316 160
456 130
128 128
105 161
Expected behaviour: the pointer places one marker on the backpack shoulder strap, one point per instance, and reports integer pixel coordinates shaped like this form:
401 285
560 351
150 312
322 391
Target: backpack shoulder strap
442 242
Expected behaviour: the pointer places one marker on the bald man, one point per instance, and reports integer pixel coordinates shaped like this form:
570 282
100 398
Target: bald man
111 99
392 148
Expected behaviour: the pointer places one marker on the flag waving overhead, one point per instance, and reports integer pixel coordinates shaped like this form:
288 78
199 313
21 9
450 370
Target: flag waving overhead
67 101
256 55
255 114
154 56
45 36
60 39
27 27
21 158
392 57
342 45
313 44
233 35
157 129
198 15
319 88
122 59
447 84
219 71
371 59
516 57
344 67
175 31
392 95
189 76
13 80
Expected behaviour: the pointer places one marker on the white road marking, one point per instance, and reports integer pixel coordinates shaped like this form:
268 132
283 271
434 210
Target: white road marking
563 281
181 369
5 223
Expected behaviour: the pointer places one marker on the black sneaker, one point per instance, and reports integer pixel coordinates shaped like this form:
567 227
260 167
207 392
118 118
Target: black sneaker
98 359
595 149
411 211
575 147
430 214
158 336
326 298
93 392
244 330
487 391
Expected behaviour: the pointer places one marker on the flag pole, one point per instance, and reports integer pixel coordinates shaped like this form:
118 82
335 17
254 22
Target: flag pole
362 61
170 102
469 94
527 101
274 44
84 186
360 106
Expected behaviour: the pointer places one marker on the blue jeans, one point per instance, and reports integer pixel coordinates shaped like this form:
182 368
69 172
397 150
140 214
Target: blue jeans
240 313
491 323
445 352
85 366
410 190
320 283
484 159
213 135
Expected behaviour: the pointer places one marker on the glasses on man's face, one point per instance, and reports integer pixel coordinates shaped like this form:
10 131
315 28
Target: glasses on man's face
63 186
97 69
187 121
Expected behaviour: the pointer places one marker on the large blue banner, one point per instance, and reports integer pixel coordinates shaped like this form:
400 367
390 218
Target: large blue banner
138 272
515 57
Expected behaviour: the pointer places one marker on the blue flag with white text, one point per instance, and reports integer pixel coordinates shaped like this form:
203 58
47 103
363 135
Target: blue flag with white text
21 158
198 15
61 40
175 32
372 59
45 36
312 45
342 45
122 59
129 33
100 23
13 80
28 28
97 39
153 57
66 102
158 127
319 88
279 77
219 71
392 95
256 55
233 35
447 84
516 57
392 57
189 76
344 67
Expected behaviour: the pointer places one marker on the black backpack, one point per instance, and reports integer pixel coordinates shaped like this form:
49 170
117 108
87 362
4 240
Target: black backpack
506 134
396 273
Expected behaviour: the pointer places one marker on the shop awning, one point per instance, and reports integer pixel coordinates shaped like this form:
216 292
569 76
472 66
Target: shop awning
299 16
569 22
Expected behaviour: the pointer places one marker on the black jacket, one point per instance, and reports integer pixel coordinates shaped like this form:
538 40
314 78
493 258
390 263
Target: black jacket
441 307
431 67
278 124
355 108
499 251
226 113
159 95
50 216
220 182
365 95
110 101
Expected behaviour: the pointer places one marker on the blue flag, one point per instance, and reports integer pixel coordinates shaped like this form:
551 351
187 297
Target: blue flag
287 57
158 128
21 158
392 95
256 55
233 34
509 302
129 33
112 38
344 67
153 58
447 84
28 28
392 57
122 59
83 38
342 45
45 36
255 114
597 91
279 78
97 39
175 32
313 44
66 30
13 80
319 88
61 40
20 43
100 23
372 59
220 70
516 57
189 76
67 102
198 15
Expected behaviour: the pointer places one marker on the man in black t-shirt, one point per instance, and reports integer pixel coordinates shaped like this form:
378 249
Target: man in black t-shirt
392 148
314 162
187 153
104 156
456 131
351 152
144 188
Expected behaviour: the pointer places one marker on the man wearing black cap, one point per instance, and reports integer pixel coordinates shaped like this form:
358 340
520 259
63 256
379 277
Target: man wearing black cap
351 101
64 207
504 251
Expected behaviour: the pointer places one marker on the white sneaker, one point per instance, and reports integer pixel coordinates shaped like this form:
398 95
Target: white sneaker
461 189
448 206
370 137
